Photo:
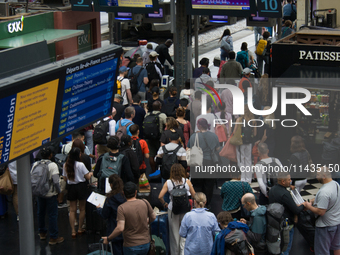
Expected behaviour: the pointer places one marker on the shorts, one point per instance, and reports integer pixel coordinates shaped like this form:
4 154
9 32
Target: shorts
77 191
327 238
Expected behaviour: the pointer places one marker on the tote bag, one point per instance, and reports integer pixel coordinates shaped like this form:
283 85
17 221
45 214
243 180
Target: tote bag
195 154
229 151
6 183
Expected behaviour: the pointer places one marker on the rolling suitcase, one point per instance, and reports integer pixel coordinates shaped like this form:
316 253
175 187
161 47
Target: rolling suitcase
159 245
155 177
160 228
100 249
154 193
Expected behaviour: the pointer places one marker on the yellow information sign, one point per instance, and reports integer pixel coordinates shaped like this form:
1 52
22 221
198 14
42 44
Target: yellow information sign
33 119
134 3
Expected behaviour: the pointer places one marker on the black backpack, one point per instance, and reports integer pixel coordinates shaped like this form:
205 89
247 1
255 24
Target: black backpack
138 150
169 108
292 14
134 81
151 69
100 132
180 199
169 158
151 126
271 175
236 242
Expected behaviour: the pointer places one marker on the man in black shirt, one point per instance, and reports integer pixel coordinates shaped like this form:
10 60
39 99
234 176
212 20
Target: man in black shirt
117 103
163 51
279 194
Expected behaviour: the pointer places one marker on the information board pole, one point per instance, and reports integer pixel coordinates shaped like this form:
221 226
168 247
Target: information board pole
26 223
196 39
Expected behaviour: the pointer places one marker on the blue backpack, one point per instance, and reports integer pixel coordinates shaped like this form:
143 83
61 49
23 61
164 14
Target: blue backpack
243 58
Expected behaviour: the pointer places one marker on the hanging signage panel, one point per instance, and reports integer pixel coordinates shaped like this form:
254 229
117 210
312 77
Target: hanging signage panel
133 6
269 8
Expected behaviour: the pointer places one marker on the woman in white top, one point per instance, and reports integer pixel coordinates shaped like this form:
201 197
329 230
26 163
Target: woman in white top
76 174
177 177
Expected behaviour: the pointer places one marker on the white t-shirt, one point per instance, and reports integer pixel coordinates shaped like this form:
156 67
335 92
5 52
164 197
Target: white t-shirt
262 177
112 126
80 171
171 186
53 169
125 85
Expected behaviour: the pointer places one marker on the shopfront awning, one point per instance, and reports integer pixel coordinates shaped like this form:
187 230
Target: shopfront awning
50 35
311 77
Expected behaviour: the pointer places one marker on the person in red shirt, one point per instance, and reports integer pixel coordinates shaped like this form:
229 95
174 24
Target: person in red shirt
134 129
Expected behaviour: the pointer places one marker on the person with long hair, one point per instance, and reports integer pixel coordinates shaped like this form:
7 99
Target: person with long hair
171 123
198 227
229 39
83 157
300 159
76 175
242 56
243 151
177 177
109 211
184 124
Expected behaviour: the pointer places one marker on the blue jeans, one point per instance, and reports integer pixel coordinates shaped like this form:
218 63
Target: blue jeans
224 55
291 235
137 250
49 204
167 194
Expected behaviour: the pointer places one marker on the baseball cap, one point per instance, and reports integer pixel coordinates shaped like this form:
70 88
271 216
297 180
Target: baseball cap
123 69
246 70
153 54
119 97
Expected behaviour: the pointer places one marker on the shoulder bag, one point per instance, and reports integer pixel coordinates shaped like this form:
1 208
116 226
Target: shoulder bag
194 155
6 183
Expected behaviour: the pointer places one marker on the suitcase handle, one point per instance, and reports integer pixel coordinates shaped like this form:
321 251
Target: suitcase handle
101 241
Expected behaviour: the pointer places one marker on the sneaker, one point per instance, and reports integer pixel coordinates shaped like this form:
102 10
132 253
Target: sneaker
42 236
54 241
62 205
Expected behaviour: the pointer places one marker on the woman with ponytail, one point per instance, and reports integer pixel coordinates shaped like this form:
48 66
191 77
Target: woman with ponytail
199 225
76 174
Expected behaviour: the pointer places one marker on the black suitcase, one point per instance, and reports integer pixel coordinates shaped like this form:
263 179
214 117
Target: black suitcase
154 193
155 177
306 228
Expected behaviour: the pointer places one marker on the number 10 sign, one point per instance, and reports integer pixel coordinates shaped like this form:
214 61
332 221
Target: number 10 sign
269 8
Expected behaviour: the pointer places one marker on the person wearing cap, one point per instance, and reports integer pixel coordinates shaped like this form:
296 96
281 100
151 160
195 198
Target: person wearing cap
163 51
123 86
117 104
49 203
208 142
231 69
204 62
133 218
245 82
154 68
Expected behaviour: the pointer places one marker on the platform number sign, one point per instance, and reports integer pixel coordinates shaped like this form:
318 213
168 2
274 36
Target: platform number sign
269 8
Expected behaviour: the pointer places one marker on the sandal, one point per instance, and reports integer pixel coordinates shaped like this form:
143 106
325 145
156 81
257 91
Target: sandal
81 231
74 235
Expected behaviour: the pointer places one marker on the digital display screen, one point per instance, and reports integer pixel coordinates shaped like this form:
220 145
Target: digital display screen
257 18
123 16
221 4
158 14
134 6
218 19
58 99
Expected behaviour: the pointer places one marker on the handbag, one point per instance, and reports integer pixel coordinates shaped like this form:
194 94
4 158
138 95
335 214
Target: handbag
229 151
194 156
236 139
62 184
6 183
144 185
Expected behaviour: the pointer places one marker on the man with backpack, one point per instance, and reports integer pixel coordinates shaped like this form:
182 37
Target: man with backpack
153 126
138 79
279 194
257 223
155 69
289 11
266 178
171 103
123 86
45 185
263 52
170 154
140 147
123 125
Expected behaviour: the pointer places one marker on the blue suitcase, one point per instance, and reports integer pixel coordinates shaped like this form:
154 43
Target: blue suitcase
160 228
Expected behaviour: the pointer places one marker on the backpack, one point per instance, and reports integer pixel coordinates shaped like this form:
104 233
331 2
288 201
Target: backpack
151 70
292 16
277 234
151 126
236 242
261 47
122 130
271 175
243 58
169 158
169 108
109 165
40 179
180 199
134 81
138 150
119 86
100 132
